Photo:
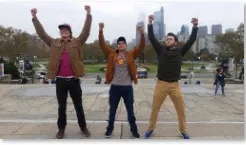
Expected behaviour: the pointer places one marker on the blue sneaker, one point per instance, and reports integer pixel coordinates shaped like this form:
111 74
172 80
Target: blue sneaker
185 135
148 134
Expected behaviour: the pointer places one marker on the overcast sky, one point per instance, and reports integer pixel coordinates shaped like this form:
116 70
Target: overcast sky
120 18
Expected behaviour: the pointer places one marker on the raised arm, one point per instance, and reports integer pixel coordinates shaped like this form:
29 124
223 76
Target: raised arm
106 49
141 44
39 28
192 38
87 26
151 35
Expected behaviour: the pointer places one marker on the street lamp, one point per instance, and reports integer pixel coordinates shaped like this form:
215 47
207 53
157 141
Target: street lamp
216 58
35 57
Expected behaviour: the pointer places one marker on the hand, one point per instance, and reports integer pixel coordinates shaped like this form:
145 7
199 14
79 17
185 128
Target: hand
140 29
88 9
101 26
151 19
34 12
194 21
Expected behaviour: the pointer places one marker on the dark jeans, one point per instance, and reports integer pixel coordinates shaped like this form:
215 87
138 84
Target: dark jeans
115 93
218 84
73 86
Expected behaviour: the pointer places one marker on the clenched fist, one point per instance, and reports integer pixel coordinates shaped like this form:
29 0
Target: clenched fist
34 12
101 26
194 21
88 9
151 19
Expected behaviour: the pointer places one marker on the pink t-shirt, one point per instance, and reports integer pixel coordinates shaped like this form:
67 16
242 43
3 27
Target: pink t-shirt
65 69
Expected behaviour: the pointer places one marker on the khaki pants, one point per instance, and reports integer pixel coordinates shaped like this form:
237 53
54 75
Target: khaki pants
162 89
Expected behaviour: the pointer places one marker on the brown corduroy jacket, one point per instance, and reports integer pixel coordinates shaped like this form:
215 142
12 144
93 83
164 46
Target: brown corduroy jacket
73 47
113 55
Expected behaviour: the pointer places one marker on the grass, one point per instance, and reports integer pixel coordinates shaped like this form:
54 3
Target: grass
35 65
187 66
41 59
93 68
152 68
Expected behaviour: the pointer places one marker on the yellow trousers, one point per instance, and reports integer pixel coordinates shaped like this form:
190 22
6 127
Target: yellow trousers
162 89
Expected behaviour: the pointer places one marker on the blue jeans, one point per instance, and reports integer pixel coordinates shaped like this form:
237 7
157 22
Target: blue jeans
115 93
218 84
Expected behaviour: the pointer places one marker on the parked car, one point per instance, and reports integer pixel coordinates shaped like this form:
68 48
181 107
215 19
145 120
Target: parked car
203 67
183 76
41 75
142 74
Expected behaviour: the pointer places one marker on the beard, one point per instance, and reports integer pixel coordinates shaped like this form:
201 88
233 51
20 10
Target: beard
171 46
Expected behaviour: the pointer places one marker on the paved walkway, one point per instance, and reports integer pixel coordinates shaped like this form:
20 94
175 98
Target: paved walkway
30 112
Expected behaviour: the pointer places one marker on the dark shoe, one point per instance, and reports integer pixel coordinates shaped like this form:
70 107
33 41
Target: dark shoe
108 133
135 135
148 134
86 132
185 135
60 134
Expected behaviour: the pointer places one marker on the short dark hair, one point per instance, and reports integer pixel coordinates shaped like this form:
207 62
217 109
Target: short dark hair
121 39
175 37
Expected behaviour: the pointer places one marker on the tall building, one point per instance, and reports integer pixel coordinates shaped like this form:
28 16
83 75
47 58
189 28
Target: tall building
147 41
208 42
184 38
184 29
216 29
142 18
158 25
202 32
140 23
229 30
114 43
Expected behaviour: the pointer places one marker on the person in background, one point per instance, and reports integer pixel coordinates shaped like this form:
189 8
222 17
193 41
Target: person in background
220 81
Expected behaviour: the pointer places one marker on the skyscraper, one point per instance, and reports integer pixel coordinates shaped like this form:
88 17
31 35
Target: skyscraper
142 18
159 26
202 32
140 23
216 29
208 43
184 29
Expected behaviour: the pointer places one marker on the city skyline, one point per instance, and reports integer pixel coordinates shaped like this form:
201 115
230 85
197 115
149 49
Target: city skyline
120 21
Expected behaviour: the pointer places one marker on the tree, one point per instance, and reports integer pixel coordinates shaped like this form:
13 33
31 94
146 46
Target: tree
10 68
190 55
231 44
204 54
149 53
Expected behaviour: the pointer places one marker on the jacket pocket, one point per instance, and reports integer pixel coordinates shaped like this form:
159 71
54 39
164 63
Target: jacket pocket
79 68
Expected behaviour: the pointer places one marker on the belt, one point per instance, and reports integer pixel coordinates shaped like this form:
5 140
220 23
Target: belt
168 80
66 79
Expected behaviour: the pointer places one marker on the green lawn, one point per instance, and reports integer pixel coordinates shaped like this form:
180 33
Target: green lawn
152 68
35 65
93 68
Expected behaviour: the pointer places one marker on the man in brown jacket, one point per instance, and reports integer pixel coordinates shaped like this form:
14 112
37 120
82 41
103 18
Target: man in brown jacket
121 71
65 64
